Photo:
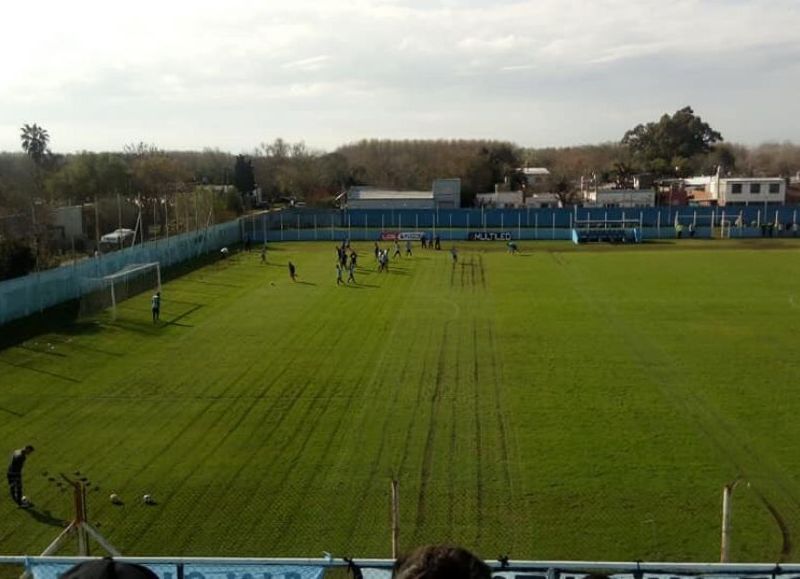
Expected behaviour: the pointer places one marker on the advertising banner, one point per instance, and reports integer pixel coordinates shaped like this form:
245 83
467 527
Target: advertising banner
490 236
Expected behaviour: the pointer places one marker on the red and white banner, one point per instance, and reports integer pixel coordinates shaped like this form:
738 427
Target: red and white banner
401 235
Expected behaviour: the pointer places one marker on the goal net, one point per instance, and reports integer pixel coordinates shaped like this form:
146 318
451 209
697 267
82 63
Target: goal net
109 291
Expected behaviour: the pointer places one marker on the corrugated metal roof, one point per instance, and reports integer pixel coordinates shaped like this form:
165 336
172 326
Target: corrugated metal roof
385 194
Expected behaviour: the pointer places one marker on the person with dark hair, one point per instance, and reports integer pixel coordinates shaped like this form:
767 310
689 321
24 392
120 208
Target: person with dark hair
292 271
440 562
108 569
18 458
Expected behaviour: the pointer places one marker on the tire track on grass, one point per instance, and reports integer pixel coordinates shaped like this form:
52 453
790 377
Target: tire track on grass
453 449
374 469
296 395
214 448
311 415
509 502
286 525
716 429
477 411
430 438
303 492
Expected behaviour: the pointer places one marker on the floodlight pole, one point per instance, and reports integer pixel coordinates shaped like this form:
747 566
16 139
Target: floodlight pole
725 542
395 518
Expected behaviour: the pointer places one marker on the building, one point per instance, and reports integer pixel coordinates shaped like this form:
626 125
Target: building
447 193
542 200
444 194
535 176
500 199
736 191
621 198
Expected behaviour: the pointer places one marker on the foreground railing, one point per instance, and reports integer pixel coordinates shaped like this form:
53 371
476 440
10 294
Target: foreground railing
298 568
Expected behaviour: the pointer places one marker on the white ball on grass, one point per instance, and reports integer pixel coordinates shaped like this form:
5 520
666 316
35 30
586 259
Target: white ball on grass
114 498
148 499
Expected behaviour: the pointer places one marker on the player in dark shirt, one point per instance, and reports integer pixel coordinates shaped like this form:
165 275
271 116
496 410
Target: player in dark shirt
292 271
15 474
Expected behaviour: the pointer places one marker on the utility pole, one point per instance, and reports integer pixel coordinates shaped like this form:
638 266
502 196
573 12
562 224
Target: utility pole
725 542
395 518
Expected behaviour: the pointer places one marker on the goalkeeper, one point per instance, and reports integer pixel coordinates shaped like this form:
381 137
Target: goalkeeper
155 306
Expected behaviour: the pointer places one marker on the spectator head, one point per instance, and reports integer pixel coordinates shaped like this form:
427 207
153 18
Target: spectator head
440 562
108 569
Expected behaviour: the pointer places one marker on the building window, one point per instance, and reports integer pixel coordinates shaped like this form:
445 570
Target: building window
774 187
736 188
755 188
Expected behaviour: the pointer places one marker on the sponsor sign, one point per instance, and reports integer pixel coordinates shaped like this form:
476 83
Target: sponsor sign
490 236
401 235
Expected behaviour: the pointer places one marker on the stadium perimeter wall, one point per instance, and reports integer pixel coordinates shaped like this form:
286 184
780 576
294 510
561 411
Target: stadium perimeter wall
528 224
23 296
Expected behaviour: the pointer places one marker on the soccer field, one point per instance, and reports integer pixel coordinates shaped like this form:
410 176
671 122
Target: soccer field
564 403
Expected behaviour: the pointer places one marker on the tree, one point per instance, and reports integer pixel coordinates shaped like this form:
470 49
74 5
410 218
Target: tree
674 145
35 140
564 190
623 175
16 259
87 176
243 176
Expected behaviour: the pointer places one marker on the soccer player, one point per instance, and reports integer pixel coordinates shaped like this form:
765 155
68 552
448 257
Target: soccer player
512 247
15 475
396 249
155 306
437 241
264 254
454 254
339 274
353 259
351 272
377 251
292 271
408 247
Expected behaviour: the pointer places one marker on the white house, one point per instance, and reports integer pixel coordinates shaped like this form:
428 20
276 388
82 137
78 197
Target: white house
734 191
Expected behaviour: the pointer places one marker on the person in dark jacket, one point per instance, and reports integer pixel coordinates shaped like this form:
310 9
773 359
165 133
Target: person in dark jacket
18 458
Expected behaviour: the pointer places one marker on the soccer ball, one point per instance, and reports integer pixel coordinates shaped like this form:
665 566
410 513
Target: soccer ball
25 500
114 498
148 499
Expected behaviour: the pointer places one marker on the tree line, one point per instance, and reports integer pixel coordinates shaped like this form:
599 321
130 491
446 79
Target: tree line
676 145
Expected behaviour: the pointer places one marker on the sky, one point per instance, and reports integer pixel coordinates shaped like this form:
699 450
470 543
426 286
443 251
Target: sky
237 73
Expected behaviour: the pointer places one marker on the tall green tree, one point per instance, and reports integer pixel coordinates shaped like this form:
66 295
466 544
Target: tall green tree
35 141
243 176
675 145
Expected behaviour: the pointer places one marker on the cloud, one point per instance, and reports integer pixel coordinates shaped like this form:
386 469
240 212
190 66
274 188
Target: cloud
383 68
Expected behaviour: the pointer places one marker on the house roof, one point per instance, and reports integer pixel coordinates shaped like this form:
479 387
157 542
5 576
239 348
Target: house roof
535 171
386 194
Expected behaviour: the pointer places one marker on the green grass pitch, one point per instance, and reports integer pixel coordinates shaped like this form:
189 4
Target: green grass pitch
565 403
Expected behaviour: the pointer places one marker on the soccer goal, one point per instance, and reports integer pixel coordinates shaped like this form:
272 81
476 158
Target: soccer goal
109 291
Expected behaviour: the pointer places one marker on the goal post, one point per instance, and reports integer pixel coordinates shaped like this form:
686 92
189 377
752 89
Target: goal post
109 291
